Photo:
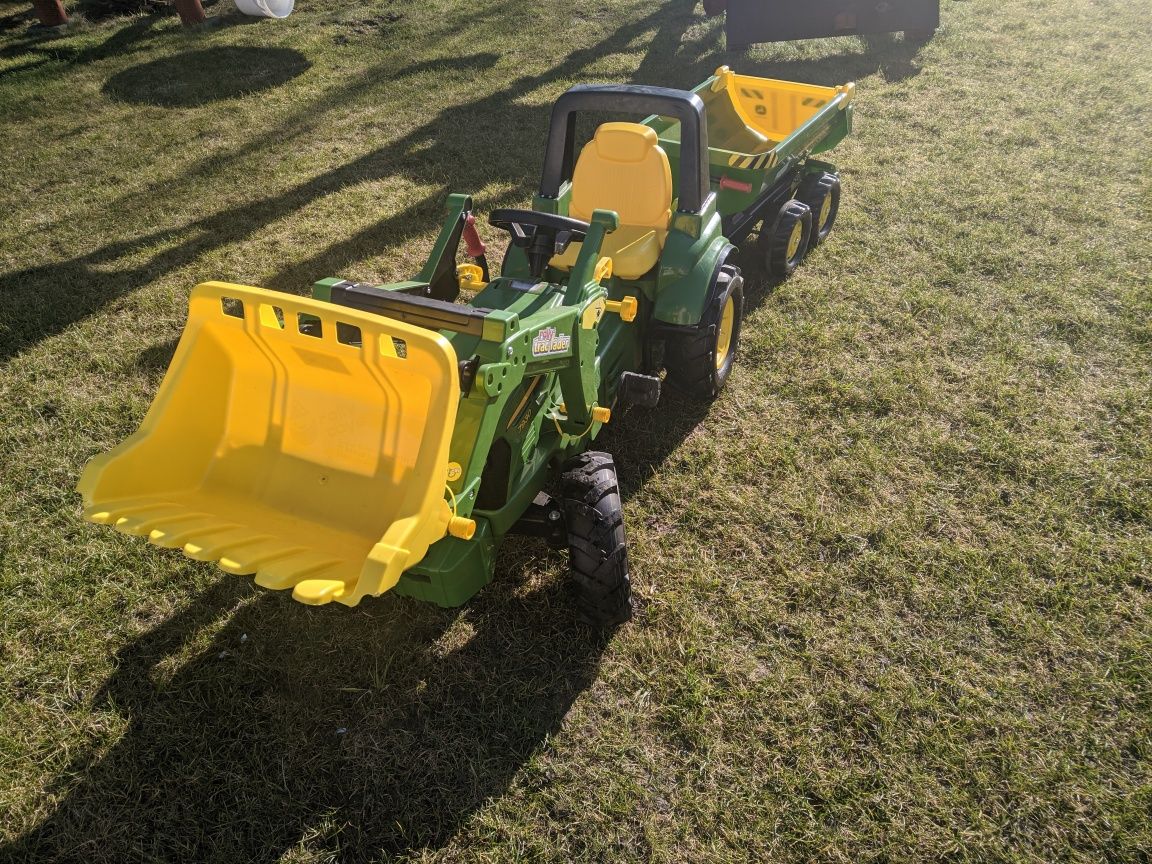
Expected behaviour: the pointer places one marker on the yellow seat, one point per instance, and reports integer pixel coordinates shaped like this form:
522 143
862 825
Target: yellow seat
623 168
314 459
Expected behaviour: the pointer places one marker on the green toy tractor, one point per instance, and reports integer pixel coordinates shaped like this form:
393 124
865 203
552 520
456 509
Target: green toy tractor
377 437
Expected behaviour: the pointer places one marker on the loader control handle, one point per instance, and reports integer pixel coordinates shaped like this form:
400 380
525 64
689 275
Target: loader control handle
540 235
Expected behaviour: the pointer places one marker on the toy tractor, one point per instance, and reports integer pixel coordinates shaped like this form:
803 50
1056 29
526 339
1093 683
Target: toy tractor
377 437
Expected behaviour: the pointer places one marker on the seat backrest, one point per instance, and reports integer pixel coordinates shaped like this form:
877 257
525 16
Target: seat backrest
623 168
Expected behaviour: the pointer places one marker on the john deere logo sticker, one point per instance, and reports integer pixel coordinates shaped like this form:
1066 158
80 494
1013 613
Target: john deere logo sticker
548 341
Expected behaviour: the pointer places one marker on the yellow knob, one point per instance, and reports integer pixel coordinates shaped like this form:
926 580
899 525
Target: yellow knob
601 415
462 527
470 276
627 308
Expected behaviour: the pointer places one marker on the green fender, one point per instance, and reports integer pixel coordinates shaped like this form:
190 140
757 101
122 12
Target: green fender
689 259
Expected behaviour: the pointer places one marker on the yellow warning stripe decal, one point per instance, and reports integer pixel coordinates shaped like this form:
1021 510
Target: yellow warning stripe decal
763 160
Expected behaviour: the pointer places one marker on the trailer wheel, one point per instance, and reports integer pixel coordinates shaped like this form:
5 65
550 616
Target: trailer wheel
821 192
787 242
598 553
700 362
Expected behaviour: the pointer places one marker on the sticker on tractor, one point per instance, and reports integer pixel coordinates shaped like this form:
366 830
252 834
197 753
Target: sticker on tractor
548 341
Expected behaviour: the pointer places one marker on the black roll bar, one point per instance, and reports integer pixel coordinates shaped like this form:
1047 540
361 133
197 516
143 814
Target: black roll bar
631 99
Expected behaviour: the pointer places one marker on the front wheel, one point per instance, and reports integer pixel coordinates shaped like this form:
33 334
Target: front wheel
598 552
699 362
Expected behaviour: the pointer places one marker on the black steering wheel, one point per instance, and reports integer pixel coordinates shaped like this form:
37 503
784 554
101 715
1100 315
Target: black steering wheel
540 235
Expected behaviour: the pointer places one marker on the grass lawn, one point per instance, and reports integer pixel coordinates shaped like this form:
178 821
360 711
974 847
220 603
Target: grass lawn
893 587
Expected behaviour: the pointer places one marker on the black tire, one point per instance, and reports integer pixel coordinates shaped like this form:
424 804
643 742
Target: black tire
699 362
821 192
785 247
598 552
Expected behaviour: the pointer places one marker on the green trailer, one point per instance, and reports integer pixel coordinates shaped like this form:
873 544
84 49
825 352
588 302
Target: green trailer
762 135
388 437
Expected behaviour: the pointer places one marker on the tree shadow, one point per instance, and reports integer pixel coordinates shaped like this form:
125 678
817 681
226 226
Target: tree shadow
356 732
43 300
16 19
47 45
210 75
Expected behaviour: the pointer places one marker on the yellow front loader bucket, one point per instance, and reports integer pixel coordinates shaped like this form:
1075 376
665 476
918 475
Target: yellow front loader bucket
292 439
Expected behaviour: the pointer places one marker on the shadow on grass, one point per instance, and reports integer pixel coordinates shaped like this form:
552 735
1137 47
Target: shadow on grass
643 439
47 47
892 56
44 300
198 77
256 724
348 731
41 301
16 19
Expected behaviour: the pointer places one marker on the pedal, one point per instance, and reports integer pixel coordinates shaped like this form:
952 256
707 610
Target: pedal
642 390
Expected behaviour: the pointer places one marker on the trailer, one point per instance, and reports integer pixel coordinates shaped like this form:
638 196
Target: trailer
762 135
752 21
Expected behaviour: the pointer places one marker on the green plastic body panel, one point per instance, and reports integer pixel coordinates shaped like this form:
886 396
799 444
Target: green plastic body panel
453 570
693 249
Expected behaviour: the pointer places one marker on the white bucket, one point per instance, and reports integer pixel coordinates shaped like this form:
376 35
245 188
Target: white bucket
266 8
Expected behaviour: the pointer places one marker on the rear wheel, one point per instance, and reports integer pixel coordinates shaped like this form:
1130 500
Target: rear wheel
787 242
598 553
699 362
821 192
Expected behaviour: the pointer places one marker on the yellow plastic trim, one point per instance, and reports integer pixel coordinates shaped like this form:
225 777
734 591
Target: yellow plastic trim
772 107
599 415
627 308
794 240
825 210
462 527
314 464
634 251
593 312
470 277
722 73
603 269
724 335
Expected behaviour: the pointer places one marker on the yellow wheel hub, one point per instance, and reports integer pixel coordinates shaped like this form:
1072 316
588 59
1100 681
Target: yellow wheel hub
724 334
794 239
825 209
